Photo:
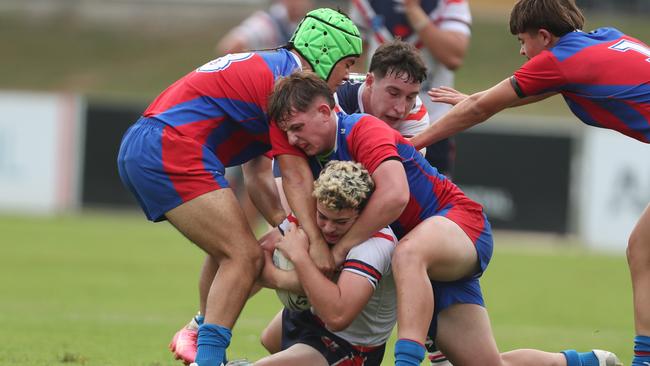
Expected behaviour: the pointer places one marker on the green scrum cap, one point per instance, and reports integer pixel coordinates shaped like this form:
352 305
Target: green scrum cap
325 37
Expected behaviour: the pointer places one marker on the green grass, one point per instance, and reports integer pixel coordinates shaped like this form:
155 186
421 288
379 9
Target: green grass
111 289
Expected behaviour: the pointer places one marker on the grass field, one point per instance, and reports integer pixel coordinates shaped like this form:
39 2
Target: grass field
111 289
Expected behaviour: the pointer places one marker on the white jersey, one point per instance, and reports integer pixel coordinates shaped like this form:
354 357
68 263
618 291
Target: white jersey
266 29
348 99
371 259
383 20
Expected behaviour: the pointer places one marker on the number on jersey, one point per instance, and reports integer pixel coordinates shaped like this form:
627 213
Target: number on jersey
625 45
222 63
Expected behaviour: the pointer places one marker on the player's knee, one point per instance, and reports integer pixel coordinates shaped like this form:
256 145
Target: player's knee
638 250
406 255
255 258
269 341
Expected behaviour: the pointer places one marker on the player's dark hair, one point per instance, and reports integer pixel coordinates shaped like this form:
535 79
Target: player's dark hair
559 17
295 93
399 58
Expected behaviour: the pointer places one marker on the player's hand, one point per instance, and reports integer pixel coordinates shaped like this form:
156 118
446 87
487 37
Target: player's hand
268 240
294 243
267 277
445 94
322 256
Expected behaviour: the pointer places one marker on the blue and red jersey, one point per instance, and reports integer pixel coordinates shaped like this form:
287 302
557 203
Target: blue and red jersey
368 140
603 75
223 104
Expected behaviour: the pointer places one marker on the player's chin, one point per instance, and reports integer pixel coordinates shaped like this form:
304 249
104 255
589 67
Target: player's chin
332 239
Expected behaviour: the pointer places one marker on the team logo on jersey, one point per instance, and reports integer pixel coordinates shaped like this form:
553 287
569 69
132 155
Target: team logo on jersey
224 62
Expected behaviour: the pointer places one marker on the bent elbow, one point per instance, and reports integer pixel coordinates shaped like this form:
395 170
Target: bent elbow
337 323
454 63
401 201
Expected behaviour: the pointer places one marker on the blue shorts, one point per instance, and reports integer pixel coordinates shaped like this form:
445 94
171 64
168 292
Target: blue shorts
304 327
465 290
164 169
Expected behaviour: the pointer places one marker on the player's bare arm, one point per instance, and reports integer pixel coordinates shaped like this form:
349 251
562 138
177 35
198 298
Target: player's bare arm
260 185
448 47
475 109
337 304
387 202
448 95
274 278
297 181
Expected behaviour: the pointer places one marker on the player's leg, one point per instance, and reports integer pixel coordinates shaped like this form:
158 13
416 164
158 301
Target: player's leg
436 249
297 355
271 337
638 258
215 222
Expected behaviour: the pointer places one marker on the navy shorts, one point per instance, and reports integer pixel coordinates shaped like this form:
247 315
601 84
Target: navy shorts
304 327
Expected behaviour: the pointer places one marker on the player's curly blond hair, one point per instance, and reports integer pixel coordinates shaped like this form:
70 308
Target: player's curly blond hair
343 184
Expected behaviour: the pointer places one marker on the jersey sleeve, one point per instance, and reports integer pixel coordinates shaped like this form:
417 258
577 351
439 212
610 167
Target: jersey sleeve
539 75
371 142
280 143
371 259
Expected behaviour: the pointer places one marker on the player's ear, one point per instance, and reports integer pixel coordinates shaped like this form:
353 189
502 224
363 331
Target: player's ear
324 109
547 37
370 78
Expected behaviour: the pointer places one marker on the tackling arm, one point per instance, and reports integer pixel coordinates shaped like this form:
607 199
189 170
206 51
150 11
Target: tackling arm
476 108
298 181
385 205
260 185
337 304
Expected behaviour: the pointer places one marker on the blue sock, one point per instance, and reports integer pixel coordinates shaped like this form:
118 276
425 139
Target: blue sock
574 358
212 343
408 353
641 351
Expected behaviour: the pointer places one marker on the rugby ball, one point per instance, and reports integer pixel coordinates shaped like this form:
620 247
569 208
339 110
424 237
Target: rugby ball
290 300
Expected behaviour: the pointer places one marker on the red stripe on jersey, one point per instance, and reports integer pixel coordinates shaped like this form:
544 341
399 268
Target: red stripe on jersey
293 219
179 155
418 115
604 118
383 236
454 1
363 268
641 353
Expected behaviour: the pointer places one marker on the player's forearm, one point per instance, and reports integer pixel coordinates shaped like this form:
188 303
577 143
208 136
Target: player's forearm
323 294
275 278
298 181
262 190
385 205
461 117
447 47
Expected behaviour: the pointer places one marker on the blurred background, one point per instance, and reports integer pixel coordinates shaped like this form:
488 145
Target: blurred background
78 258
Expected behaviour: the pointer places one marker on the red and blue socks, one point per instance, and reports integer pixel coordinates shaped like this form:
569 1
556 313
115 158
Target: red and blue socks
641 351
